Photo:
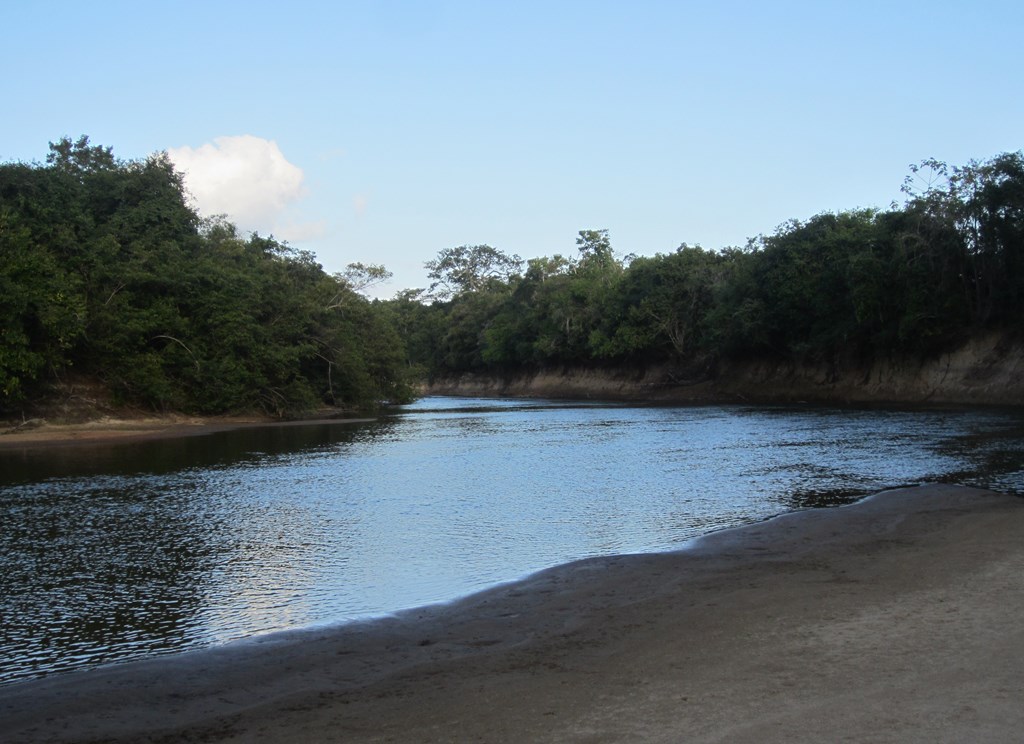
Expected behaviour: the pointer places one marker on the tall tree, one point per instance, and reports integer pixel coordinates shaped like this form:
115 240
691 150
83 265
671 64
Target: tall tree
105 270
469 268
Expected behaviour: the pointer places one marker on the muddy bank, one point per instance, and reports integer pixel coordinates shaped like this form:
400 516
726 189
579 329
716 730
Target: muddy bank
985 371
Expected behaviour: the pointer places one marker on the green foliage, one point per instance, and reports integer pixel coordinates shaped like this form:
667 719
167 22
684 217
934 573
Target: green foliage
104 268
664 302
470 268
808 282
359 276
860 283
596 252
107 272
971 219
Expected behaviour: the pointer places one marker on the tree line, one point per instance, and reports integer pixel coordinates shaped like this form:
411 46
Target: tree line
107 272
836 288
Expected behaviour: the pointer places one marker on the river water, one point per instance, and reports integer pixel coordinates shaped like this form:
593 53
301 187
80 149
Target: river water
124 551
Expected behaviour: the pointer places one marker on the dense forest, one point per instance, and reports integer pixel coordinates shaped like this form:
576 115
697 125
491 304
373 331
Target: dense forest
834 289
107 274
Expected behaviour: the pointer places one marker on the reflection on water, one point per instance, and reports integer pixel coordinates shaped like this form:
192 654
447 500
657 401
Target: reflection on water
129 550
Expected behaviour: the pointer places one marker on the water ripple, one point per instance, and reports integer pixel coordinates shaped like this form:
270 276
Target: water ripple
120 552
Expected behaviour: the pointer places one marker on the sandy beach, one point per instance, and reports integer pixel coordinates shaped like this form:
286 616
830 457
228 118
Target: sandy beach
892 620
45 435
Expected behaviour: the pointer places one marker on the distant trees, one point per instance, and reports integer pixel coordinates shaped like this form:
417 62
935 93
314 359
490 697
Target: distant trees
859 283
106 271
469 268
973 217
664 302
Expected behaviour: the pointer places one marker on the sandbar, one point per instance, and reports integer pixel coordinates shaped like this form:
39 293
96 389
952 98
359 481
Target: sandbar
895 619
127 430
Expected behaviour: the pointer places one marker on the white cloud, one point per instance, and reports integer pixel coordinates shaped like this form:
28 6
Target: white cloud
248 179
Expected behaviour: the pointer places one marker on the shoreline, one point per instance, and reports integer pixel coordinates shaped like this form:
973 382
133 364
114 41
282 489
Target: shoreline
892 619
987 369
116 430
131 427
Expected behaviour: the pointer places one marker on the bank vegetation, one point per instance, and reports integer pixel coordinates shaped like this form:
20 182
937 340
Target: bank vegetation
866 291
108 275
109 278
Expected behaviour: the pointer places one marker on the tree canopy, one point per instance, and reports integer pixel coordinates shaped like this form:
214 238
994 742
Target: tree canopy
107 272
854 284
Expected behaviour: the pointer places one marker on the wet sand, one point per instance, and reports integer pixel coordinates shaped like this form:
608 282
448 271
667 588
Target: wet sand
896 619
143 428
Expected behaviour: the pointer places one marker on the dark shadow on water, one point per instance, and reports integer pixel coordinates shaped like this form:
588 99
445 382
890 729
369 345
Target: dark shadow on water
822 499
994 459
160 456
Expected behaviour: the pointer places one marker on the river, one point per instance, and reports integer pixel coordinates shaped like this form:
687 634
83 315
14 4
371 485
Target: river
123 551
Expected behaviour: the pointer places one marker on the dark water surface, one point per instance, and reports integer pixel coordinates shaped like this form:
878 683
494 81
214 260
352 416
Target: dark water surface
128 550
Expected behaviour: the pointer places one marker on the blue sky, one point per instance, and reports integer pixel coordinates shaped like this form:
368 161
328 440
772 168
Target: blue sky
384 132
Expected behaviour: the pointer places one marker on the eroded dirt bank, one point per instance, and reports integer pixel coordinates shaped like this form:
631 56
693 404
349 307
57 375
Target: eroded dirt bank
985 371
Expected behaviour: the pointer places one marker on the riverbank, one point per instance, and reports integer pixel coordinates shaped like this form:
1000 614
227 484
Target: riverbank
985 370
41 434
895 619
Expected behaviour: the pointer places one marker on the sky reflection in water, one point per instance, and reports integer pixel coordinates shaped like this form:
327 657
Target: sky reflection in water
119 552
